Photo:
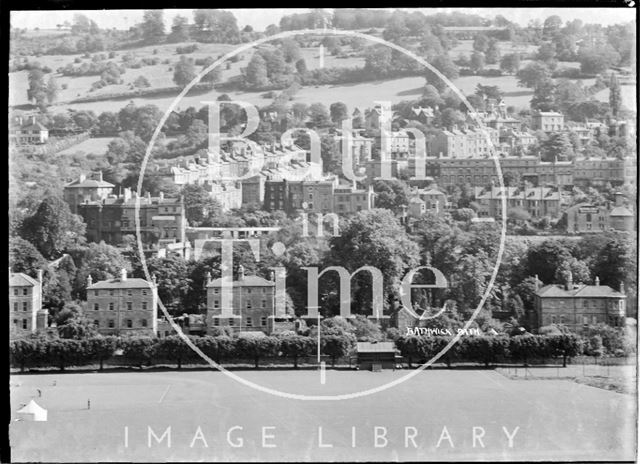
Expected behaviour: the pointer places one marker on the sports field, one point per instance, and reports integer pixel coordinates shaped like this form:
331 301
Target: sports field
546 419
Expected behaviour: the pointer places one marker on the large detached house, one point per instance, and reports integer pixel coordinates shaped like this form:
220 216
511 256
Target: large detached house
578 306
26 314
121 305
27 131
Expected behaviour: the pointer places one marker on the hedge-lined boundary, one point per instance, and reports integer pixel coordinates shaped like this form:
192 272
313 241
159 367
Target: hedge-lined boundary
147 351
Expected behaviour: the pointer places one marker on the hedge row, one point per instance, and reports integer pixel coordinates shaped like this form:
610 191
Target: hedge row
489 350
145 351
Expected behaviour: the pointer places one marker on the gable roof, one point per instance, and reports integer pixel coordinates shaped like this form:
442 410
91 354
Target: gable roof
119 283
620 211
20 279
599 291
248 281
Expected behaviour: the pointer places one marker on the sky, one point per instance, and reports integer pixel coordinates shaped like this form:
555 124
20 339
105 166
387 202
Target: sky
259 19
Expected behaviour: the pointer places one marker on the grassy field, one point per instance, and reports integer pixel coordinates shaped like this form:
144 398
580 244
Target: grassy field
557 419
95 146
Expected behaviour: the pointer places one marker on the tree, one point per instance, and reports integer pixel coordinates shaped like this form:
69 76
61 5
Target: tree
510 63
378 60
339 112
173 348
53 228
217 26
101 348
256 347
256 74
296 346
431 96
98 260
578 270
532 74
77 327
373 238
153 26
557 145
543 260
184 71
547 52
52 90
25 257
179 30
443 64
200 204
477 61
108 123
551 27
543 96
337 346
301 66
172 275
290 50
37 91
318 115
481 43
450 118
141 82
492 54
392 194
365 330
615 97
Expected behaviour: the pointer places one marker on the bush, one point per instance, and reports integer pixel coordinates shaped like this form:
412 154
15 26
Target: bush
337 346
138 350
186 49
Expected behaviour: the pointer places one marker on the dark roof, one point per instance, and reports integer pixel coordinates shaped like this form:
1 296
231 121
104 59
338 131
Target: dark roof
248 281
77 183
119 283
580 290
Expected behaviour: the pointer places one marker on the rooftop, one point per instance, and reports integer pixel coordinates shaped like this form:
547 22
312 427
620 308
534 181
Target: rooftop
121 283
580 290
22 280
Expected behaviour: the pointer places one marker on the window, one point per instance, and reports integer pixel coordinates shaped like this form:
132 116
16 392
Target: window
15 306
96 306
24 323
129 305
25 291
594 319
263 321
248 305
264 303
111 307
129 292
144 293
249 291
96 293
143 322
216 291
111 292
129 323
15 291
216 321
264 290
585 320
15 321
111 323
249 322
25 306
96 323
144 305
231 321
216 304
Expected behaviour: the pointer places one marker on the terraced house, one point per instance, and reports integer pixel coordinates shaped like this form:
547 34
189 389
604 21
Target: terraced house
121 305
537 201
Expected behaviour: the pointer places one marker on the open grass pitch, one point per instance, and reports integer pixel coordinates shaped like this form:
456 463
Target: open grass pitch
214 418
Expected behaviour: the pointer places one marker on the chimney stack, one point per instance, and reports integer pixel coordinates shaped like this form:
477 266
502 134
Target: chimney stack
40 277
597 281
621 287
570 281
154 279
537 284
241 272
89 281
123 275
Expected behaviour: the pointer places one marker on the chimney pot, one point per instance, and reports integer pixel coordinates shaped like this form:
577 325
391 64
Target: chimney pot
123 275
597 281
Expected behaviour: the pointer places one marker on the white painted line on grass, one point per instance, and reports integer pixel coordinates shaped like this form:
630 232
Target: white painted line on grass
164 394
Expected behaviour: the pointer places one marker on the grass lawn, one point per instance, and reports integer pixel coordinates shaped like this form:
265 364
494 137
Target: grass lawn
557 419
93 146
